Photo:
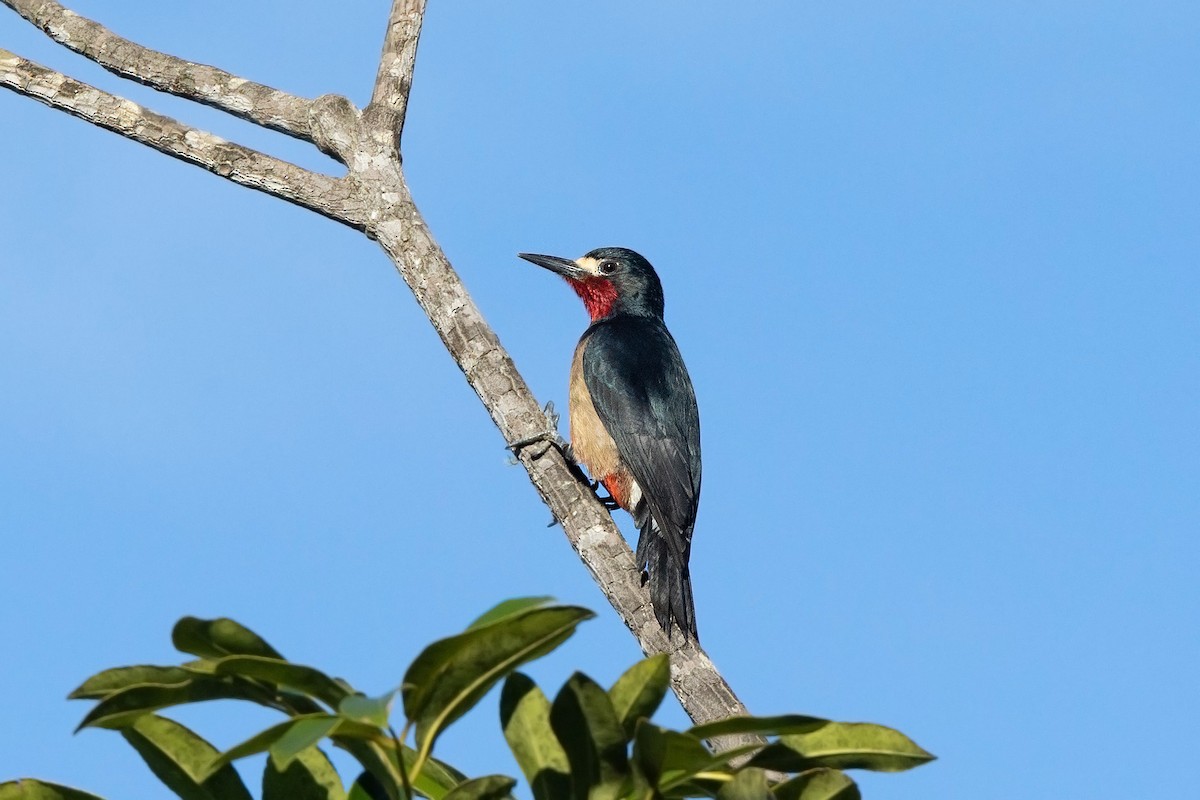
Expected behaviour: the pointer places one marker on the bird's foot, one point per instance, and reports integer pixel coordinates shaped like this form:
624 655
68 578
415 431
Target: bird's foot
551 436
607 500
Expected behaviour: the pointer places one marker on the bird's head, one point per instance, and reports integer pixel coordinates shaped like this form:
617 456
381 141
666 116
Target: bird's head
610 280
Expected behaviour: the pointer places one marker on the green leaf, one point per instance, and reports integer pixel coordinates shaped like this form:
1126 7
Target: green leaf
437 778
380 759
843 745
509 608
265 740
300 737
747 784
490 787
121 708
180 759
525 718
216 638
30 789
102 684
296 704
307 680
818 784
373 748
309 776
668 758
381 778
762 726
201 665
371 710
452 675
591 735
367 787
638 693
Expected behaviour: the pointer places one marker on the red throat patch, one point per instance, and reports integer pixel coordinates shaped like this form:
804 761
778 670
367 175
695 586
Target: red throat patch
598 295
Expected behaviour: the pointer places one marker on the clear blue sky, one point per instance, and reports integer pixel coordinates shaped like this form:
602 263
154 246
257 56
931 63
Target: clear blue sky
933 268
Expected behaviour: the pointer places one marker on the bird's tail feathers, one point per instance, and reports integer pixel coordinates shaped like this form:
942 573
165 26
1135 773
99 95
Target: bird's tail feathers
670 581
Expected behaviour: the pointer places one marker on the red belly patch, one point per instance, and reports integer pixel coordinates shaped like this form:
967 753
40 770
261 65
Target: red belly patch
618 487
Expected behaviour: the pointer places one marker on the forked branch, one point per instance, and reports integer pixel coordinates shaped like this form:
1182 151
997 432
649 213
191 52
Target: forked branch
374 198
393 82
211 86
331 197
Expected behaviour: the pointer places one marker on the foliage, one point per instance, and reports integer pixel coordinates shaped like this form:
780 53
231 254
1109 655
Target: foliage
586 744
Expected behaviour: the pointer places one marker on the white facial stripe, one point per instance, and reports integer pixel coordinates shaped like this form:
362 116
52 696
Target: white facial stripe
588 265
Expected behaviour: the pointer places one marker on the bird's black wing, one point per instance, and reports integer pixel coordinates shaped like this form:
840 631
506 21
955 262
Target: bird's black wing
645 399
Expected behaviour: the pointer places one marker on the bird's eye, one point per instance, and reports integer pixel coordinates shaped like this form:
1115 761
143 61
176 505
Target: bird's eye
608 267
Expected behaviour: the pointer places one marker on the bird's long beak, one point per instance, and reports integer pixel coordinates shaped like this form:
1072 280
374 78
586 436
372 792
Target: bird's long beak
563 266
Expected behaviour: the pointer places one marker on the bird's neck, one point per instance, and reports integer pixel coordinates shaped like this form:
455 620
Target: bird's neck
599 295
604 301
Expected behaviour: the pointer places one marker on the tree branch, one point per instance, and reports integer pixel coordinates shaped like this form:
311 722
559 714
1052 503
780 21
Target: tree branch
374 198
214 87
393 82
702 691
330 197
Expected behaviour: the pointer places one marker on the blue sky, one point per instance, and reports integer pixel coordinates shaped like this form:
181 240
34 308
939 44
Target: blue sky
933 268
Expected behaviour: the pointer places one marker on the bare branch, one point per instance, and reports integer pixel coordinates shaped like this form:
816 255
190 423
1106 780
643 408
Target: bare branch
214 87
394 79
331 197
374 198
702 691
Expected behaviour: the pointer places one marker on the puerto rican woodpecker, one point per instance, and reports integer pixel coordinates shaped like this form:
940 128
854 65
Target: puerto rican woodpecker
633 416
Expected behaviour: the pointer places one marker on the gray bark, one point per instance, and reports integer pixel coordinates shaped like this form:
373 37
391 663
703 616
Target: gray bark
372 197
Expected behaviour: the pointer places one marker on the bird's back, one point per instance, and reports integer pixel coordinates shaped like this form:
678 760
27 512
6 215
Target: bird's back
643 395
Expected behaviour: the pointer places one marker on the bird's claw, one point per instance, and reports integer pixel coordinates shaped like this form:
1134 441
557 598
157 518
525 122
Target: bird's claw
607 501
551 415
551 436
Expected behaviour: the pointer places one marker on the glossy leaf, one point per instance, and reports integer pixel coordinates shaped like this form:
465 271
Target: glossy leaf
509 608
818 784
102 684
296 704
30 789
437 778
123 707
306 680
180 759
367 787
639 692
380 780
843 745
372 747
379 757
490 787
305 734
216 638
202 665
308 776
591 735
668 758
369 710
762 726
525 718
264 740
747 784
452 675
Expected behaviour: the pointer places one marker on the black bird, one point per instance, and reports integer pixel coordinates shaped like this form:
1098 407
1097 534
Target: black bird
634 422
